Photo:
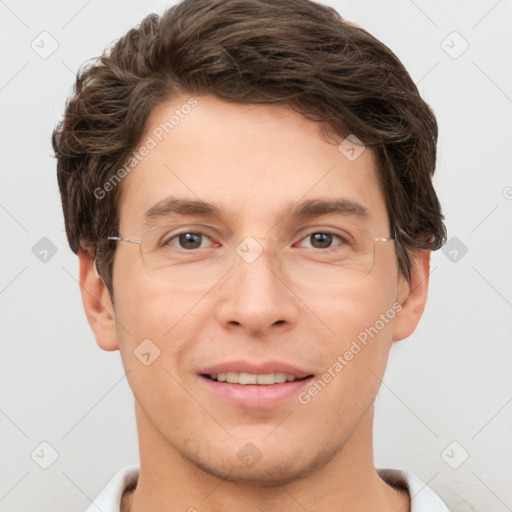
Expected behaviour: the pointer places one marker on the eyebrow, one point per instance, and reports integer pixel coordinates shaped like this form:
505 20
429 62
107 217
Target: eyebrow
304 210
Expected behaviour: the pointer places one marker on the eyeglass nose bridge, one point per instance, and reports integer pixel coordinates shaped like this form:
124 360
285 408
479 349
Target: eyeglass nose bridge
249 249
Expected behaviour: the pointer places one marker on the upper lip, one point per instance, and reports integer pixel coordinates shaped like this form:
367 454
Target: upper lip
256 368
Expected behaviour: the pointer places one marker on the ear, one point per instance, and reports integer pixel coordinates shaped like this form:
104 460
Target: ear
412 295
97 304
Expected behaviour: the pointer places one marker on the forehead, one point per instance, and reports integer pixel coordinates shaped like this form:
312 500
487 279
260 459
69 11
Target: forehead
252 162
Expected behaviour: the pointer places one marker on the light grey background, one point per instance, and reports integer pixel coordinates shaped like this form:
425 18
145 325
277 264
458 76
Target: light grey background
450 382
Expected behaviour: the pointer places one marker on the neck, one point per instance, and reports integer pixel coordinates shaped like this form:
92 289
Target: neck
168 482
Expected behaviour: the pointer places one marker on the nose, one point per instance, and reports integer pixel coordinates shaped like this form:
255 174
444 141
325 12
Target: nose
254 295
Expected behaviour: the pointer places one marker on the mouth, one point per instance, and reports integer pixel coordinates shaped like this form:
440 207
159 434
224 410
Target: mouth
251 386
258 379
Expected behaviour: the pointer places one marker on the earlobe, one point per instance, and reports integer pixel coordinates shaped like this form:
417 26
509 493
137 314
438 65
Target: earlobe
412 295
97 304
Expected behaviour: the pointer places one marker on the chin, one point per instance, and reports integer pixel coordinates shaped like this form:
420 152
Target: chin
275 470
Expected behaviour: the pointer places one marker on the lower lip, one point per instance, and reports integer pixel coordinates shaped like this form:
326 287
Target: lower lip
254 396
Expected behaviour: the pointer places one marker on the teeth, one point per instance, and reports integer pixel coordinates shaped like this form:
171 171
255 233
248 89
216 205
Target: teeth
247 378
280 377
265 379
232 378
253 378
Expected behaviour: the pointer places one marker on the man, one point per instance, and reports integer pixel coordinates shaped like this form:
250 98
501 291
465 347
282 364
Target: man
247 184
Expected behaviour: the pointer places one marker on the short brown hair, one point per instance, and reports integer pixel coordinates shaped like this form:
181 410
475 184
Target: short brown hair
293 52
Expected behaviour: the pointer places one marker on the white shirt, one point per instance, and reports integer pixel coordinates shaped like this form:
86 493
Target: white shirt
423 499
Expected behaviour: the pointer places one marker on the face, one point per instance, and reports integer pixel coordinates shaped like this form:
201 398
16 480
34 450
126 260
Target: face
253 290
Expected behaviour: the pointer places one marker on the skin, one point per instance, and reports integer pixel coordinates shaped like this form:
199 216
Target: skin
253 160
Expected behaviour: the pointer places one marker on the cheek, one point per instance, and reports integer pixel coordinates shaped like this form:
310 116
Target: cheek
362 319
355 360
354 310
154 333
159 326
146 306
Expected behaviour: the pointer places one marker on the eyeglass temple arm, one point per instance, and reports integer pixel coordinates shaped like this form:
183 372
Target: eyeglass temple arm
389 238
127 240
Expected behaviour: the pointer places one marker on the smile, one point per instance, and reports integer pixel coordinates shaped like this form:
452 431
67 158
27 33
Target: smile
261 379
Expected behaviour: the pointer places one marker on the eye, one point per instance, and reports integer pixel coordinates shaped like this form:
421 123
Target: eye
323 239
188 240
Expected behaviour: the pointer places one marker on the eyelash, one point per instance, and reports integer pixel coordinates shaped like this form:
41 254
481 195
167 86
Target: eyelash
339 237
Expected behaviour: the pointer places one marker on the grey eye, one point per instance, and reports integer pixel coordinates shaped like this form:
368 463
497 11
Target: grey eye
321 239
188 240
